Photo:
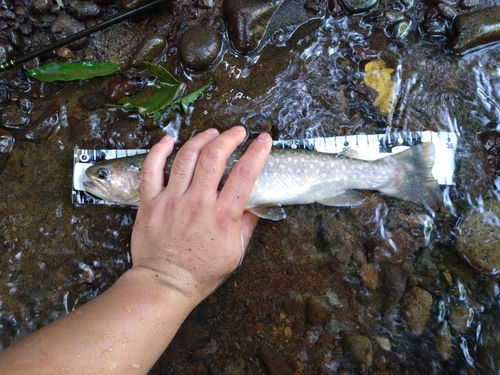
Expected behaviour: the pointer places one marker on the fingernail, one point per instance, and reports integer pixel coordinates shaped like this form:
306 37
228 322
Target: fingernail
211 131
239 128
263 137
166 139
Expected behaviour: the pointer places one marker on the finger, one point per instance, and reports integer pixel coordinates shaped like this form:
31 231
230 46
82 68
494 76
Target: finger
238 187
248 224
153 175
213 157
186 159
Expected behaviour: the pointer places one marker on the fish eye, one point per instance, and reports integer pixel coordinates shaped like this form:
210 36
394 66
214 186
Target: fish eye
102 173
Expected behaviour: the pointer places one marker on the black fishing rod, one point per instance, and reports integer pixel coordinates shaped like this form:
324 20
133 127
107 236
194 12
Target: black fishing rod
81 34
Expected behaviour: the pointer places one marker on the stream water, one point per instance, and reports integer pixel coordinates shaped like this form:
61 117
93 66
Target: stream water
383 288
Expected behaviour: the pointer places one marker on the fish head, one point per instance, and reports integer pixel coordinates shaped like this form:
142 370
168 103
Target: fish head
117 180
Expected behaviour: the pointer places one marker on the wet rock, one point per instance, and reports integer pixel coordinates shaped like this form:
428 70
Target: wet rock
274 361
47 89
474 30
478 238
334 327
316 313
369 276
151 47
334 7
13 117
41 6
4 94
442 342
416 309
398 245
460 319
358 6
491 146
359 348
435 28
399 29
94 100
6 51
40 129
64 53
119 88
83 10
6 145
468 4
488 355
199 48
126 5
127 133
447 11
247 22
394 276
25 103
64 26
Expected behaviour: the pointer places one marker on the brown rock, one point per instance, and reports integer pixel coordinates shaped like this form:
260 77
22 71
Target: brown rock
274 361
316 313
398 245
369 276
416 309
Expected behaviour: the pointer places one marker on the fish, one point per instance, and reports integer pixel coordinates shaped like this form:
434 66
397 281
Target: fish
294 177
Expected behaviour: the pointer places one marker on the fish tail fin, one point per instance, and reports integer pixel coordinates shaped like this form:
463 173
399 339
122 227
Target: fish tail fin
414 181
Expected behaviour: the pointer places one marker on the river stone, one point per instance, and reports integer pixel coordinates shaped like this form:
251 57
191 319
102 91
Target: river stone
199 48
84 10
13 117
93 100
416 309
475 29
247 22
274 361
478 238
6 145
358 6
151 47
360 348
459 318
65 25
42 127
442 341
127 133
127 5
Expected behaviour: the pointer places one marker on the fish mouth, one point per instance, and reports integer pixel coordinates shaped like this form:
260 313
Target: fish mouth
92 188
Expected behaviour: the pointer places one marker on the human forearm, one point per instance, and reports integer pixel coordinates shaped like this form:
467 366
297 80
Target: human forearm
122 331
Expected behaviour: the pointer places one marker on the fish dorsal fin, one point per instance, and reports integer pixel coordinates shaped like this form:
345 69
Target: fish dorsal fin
276 213
353 154
346 199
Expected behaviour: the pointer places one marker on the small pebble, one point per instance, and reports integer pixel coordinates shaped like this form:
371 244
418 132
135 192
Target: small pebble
64 53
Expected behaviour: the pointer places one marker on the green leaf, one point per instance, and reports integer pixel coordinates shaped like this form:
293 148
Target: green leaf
161 72
189 99
147 103
72 71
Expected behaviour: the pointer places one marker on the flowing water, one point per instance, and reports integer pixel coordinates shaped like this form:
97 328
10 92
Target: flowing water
316 287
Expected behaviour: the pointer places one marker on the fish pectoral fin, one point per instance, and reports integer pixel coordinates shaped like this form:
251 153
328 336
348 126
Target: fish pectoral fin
353 154
346 199
275 213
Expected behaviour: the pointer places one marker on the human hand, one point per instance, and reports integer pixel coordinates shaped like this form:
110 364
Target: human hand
189 235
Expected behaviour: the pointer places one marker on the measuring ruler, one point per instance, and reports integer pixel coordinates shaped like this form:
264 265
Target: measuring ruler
367 147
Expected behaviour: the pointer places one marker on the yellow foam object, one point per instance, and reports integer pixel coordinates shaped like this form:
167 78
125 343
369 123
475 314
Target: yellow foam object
378 77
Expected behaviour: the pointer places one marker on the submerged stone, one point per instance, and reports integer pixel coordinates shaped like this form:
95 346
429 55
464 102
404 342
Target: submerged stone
6 145
416 309
13 117
247 22
360 348
151 47
474 30
127 133
93 100
199 48
478 238
64 26
40 129
358 6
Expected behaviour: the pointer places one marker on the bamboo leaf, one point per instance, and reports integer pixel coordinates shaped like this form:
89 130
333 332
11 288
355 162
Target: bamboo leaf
72 71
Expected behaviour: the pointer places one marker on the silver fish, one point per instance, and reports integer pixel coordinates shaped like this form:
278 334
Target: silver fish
291 177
